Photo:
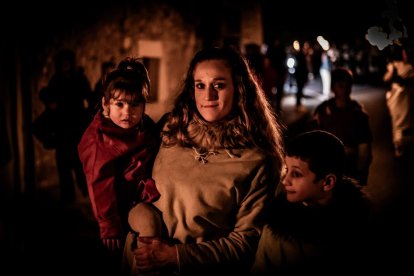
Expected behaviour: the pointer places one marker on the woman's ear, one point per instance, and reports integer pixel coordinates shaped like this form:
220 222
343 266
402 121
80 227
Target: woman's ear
105 108
329 182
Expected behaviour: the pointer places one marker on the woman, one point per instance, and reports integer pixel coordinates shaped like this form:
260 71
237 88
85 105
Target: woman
216 169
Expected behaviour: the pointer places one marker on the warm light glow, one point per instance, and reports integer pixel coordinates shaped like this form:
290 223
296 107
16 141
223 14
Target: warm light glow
296 45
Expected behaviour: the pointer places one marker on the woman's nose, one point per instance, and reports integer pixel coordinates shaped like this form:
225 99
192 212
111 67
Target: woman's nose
211 94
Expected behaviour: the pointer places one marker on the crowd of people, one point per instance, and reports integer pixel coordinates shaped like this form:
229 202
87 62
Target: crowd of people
217 185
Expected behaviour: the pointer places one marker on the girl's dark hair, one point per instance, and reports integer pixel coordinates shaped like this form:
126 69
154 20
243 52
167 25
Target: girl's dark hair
322 150
130 77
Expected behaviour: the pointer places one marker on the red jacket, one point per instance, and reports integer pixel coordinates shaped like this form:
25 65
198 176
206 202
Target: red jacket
118 164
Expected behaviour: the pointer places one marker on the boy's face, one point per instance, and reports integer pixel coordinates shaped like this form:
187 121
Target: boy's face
299 183
124 112
341 89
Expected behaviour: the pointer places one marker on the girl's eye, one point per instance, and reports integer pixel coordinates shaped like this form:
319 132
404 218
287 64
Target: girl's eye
119 104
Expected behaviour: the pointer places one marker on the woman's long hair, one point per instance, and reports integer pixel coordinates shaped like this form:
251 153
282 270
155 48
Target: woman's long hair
251 107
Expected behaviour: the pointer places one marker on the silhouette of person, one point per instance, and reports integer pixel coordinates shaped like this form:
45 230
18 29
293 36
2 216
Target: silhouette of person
400 99
270 71
301 75
276 53
45 125
347 119
326 66
256 59
71 90
400 104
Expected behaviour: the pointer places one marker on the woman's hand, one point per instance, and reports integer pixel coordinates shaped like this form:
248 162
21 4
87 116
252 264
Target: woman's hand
153 254
112 244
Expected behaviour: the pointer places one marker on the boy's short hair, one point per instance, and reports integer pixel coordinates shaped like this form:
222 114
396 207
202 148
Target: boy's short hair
322 150
342 74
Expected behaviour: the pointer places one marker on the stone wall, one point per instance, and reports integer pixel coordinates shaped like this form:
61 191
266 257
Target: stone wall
114 36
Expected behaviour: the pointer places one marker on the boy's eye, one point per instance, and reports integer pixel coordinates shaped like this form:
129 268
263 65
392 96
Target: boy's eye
296 174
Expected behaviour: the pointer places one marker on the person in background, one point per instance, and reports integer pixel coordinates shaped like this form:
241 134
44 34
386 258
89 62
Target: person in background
117 151
325 69
348 120
44 127
276 54
400 100
216 169
70 90
318 223
301 75
400 103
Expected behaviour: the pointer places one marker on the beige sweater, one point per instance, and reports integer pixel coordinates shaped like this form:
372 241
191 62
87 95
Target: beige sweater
212 206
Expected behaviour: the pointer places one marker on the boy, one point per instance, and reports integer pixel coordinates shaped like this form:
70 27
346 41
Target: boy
316 225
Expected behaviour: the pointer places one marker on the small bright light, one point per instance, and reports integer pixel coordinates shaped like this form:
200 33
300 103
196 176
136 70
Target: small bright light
290 62
296 45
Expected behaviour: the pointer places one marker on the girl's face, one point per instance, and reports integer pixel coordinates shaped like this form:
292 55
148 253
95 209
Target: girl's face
300 185
213 89
123 111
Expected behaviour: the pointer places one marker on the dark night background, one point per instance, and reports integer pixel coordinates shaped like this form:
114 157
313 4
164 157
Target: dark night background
338 20
30 29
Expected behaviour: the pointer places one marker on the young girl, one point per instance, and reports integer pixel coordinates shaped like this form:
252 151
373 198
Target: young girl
117 151
316 225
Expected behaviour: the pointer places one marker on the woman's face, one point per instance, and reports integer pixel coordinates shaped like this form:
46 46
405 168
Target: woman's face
213 89
123 111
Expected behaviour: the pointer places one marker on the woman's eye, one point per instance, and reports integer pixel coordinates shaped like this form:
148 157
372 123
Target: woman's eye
218 86
119 104
199 85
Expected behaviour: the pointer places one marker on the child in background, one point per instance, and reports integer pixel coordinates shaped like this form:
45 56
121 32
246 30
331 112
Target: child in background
117 151
317 224
348 120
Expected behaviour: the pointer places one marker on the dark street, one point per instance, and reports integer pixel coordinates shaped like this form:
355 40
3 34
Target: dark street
52 239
